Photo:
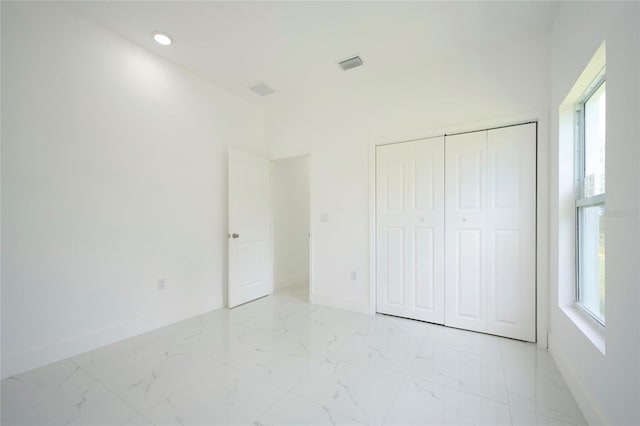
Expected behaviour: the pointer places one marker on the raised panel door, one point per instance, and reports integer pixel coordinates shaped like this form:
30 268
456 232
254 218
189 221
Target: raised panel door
465 231
511 291
410 229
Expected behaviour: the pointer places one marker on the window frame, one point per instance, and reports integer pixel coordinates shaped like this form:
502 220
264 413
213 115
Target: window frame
580 200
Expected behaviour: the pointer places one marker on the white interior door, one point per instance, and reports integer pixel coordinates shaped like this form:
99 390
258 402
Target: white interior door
249 230
410 229
511 285
466 231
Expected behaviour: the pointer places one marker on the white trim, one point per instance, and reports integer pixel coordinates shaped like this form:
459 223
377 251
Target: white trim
291 280
43 355
588 325
459 128
542 204
271 259
542 230
598 81
290 157
360 306
591 201
372 229
310 227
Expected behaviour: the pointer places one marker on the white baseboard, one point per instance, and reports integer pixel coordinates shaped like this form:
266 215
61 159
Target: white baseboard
361 306
291 280
38 357
590 409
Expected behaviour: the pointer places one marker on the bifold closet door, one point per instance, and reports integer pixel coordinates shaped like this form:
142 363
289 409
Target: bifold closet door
410 229
490 231
511 283
466 231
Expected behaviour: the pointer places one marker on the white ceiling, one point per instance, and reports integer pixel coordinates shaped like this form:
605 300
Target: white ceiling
294 46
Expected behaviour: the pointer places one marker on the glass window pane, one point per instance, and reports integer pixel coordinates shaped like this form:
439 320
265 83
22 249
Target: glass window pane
594 142
591 247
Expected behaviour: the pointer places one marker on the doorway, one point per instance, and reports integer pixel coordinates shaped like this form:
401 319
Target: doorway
291 226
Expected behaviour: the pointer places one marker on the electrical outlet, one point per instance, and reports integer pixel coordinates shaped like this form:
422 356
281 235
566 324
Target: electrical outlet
161 284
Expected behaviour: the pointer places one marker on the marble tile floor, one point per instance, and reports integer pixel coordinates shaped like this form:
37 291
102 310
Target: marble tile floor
282 361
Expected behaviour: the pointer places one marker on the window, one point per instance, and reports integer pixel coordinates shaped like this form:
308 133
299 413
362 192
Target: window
590 199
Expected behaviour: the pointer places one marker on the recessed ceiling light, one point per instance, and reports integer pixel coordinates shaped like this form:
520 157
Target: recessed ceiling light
162 38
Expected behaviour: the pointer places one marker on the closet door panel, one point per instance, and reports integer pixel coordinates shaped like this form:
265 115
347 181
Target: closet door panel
424 278
468 279
395 260
511 292
391 198
427 227
465 231
410 229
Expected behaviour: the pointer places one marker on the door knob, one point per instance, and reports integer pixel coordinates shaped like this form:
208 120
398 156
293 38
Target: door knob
234 235
424 218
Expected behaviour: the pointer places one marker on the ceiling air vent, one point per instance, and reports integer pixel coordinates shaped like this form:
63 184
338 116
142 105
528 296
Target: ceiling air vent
262 89
349 63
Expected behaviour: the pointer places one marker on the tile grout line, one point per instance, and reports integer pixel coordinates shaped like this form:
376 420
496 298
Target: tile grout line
467 392
53 397
404 380
506 385
393 403
171 395
324 406
258 421
96 380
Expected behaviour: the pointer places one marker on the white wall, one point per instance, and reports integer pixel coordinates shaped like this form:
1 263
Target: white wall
606 386
491 84
290 182
113 176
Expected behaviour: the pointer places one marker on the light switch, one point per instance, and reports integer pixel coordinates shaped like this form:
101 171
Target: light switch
324 217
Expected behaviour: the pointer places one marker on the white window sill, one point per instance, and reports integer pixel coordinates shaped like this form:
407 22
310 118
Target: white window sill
593 331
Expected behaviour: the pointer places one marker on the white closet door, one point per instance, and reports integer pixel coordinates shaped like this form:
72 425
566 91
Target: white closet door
490 231
466 231
511 290
410 229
